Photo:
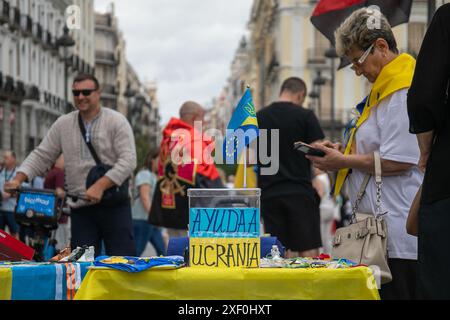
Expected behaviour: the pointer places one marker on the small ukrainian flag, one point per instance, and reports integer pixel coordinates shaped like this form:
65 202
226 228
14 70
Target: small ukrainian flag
242 129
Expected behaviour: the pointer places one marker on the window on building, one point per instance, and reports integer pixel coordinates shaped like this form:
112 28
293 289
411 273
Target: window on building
33 68
1 57
416 33
2 122
50 23
42 73
58 28
23 63
319 40
42 15
58 86
13 135
50 78
30 140
18 61
11 62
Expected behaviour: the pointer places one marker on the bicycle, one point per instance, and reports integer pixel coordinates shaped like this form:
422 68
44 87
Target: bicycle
38 212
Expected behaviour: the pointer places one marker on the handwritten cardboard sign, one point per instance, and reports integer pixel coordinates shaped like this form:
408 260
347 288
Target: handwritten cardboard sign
224 252
224 223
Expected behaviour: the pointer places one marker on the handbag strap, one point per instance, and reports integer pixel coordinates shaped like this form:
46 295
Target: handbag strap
89 144
378 183
364 184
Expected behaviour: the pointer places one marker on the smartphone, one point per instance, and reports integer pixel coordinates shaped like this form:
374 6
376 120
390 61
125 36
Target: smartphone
307 149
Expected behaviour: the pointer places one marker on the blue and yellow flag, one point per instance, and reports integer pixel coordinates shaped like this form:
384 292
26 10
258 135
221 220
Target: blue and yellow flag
242 129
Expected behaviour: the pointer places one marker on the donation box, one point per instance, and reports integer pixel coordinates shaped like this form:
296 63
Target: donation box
224 228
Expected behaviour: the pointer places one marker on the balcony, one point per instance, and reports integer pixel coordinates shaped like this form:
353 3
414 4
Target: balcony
18 93
33 93
54 47
47 97
68 107
81 66
109 89
8 87
316 56
4 11
20 89
109 93
14 19
37 32
105 57
103 22
1 85
26 24
47 40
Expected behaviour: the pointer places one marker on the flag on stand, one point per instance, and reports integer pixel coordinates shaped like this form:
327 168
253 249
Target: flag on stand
242 129
330 14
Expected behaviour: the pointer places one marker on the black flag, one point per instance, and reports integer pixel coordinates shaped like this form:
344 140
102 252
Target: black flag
330 14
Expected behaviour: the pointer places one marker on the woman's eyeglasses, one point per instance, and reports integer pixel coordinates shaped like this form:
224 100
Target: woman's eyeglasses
363 57
86 92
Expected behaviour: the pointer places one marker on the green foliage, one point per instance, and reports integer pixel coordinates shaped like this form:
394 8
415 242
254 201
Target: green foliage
142 148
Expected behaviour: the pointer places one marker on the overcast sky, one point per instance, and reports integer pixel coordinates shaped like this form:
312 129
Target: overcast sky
185 45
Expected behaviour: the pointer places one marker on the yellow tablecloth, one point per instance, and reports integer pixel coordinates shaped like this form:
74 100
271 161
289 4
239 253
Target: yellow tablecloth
5 283
229 284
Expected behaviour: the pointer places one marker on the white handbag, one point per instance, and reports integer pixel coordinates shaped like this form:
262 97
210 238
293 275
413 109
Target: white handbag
365 240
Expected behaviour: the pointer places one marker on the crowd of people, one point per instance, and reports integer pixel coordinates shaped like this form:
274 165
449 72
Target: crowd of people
309 196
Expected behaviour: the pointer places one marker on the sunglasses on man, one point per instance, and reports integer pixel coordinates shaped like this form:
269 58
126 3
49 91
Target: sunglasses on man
86 92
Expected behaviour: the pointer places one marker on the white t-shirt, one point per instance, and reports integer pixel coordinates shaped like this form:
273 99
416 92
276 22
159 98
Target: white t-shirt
387 130
328 206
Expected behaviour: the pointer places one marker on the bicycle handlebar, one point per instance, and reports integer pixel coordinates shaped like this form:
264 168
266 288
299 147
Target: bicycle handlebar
72 196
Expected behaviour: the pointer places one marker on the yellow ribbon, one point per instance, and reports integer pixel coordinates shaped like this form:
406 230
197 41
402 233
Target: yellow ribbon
395 76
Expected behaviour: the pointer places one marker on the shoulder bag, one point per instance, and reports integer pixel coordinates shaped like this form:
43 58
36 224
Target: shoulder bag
114 195
365 240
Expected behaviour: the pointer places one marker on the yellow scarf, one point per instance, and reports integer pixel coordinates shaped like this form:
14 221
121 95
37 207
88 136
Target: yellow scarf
395 76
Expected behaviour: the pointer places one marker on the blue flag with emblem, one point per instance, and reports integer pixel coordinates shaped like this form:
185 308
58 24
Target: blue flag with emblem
242 129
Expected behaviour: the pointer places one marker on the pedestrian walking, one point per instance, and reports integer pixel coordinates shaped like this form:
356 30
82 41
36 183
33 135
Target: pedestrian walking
55 180
145 185
8 202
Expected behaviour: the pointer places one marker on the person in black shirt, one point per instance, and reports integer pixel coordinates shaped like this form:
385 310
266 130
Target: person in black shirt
429 115
289 206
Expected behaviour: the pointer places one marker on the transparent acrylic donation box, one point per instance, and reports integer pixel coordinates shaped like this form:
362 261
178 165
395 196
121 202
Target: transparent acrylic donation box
224 198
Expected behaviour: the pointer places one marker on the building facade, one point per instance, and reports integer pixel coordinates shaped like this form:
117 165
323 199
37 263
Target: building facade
143 112
122 89
32 94
110 61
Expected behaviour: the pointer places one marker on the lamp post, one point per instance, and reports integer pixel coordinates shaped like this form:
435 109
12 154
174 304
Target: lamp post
319 81
136 112
431 10
130 94
314 94
65 41
332 55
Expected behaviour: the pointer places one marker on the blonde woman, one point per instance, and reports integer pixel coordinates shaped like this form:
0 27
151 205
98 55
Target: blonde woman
381 125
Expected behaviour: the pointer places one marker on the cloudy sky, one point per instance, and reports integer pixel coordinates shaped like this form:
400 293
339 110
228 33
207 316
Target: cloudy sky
185 45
